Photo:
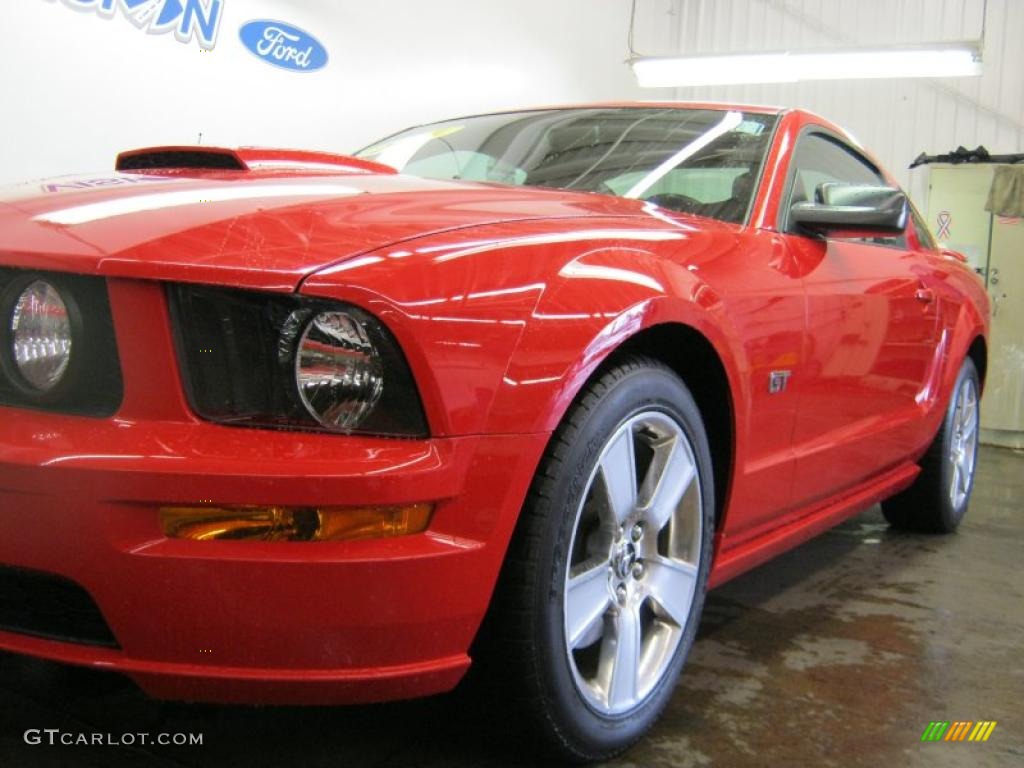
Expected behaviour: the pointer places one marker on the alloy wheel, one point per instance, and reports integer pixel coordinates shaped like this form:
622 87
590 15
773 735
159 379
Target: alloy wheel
633 563
964 443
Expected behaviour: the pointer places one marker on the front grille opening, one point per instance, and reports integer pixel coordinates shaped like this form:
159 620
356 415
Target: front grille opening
45 605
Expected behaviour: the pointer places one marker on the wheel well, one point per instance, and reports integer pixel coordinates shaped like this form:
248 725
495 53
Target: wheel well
692 357
978 352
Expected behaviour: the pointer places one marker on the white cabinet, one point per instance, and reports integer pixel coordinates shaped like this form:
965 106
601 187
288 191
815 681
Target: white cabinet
995 246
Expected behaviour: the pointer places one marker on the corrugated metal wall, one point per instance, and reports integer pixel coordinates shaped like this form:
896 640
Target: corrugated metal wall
896 119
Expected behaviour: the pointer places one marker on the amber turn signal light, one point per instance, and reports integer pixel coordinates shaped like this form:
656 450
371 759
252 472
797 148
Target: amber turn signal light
293 523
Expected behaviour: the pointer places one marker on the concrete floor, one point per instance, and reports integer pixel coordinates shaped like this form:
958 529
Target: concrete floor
836 654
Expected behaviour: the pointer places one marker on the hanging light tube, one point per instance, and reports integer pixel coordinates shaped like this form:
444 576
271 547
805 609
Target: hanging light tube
957 59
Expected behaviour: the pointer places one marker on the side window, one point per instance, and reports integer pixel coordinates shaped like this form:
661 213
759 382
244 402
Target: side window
820 158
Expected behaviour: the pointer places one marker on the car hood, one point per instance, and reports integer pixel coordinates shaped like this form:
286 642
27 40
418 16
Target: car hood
266 229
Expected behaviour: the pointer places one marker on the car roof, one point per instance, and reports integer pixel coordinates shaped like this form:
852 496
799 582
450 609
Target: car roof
803 116
760 109
763 109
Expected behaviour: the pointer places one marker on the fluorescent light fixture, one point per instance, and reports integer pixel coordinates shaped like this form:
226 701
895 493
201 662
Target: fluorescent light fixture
939 60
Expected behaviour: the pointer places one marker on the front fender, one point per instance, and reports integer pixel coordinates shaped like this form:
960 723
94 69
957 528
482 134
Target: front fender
600 300
501 324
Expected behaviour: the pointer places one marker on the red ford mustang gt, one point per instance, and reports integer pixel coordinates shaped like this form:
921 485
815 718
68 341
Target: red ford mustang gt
296 427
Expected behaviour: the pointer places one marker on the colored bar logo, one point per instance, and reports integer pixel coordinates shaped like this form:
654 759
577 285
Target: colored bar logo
958 730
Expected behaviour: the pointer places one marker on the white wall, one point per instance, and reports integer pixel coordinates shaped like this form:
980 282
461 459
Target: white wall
895 119
76 88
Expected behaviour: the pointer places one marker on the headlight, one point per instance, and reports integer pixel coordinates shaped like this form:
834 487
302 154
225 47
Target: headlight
40 333
259 359
337 370
58 351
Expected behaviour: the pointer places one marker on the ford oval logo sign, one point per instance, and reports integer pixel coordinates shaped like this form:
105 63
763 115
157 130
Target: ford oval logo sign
283 45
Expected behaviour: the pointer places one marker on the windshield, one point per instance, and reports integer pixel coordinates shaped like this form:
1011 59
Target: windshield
701 161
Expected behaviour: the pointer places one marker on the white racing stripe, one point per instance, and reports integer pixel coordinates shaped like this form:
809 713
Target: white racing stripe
155 201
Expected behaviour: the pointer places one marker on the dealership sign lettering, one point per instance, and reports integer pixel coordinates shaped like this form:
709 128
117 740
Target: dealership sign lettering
283 45
187 19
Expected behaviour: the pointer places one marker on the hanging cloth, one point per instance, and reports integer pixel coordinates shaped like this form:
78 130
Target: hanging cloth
1006 197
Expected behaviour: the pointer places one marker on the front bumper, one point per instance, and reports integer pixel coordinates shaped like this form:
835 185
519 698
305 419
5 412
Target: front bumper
260 622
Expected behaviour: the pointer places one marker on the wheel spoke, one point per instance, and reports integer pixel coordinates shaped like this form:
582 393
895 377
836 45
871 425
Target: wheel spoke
967 434
969 423
620 656
618 468
965 471
586 601
670 584
675 472
970 456
955 484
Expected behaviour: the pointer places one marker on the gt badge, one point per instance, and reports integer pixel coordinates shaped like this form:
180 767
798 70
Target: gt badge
777 381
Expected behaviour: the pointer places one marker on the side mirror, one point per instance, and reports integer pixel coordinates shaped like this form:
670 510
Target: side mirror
852 210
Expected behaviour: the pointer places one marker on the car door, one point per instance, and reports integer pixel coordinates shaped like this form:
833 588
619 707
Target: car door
872 325
748 273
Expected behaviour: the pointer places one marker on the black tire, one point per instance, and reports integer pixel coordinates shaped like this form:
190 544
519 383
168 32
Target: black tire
929 505
528 635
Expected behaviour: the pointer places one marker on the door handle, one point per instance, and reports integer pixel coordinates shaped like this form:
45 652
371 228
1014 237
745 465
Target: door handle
924 295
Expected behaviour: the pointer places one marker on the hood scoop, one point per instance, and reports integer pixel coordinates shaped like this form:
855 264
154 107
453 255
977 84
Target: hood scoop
243 159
